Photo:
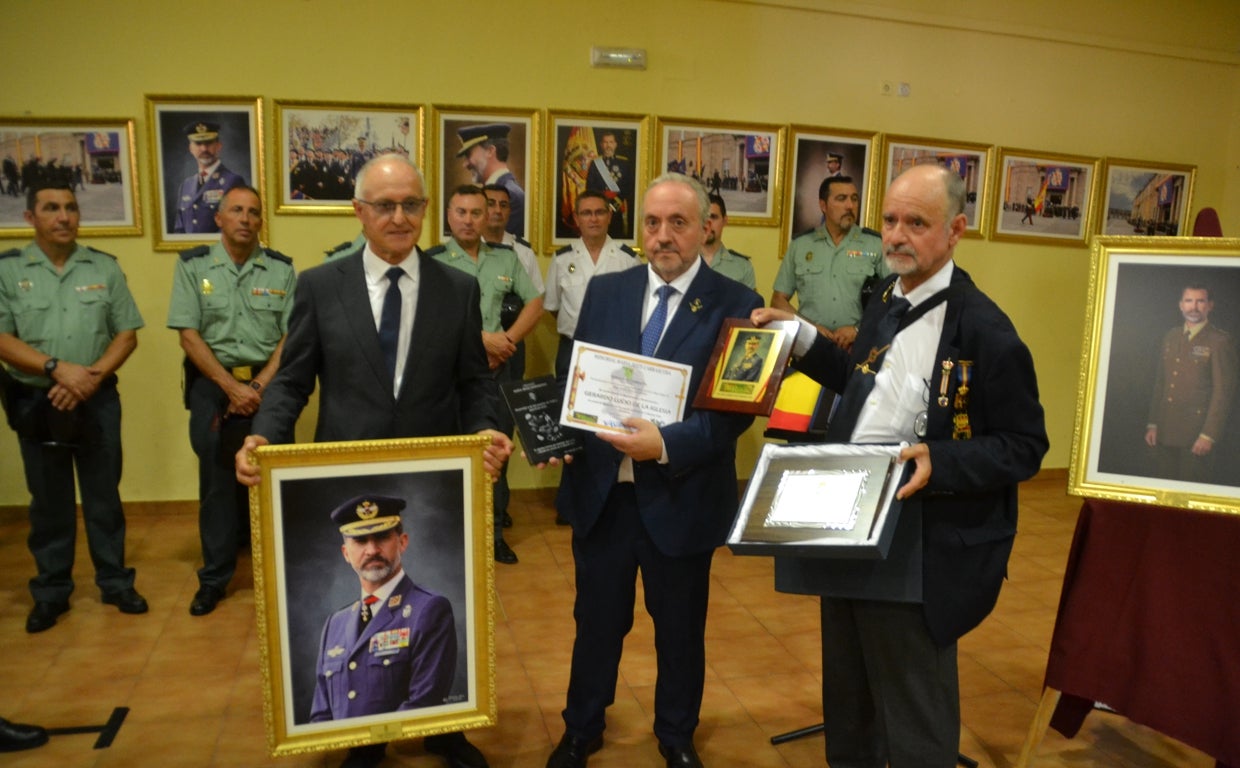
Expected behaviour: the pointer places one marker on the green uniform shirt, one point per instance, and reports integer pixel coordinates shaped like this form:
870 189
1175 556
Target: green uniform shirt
498 272
241 312
827 277
71 315
735 266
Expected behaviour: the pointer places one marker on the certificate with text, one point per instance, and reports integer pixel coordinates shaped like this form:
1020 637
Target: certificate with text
606 386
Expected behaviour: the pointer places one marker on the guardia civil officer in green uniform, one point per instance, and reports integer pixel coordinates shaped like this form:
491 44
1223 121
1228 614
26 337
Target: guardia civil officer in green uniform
67 323
230 303
499 272
826 266
716 254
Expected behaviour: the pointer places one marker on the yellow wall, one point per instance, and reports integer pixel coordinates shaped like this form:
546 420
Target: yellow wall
1143 79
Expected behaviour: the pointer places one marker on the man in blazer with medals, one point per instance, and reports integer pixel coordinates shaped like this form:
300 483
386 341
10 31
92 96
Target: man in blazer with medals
656 499
394 341
957 383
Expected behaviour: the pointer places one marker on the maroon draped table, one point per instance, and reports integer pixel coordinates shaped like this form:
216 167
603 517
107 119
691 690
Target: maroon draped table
1149 624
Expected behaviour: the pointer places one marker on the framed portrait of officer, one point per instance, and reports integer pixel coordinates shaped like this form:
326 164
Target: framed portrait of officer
816 154
373 584
480 146
201 147
599 152
95 158
1159 393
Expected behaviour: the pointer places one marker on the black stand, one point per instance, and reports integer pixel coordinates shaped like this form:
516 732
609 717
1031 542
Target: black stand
783 738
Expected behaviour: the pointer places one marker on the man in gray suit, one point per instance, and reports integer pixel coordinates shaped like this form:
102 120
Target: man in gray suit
394 340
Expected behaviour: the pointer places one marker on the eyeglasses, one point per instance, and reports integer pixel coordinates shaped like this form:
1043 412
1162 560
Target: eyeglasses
411 207
677 224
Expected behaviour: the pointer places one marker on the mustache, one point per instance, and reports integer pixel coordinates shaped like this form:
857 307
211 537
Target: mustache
902 250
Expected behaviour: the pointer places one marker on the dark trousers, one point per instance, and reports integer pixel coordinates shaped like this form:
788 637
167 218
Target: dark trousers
563 353
676 590
503 416
890 695
219 493
53 508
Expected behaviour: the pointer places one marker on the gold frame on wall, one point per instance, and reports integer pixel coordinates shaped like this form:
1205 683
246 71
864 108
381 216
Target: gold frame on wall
1046 169
1133 305
19 133
807 146
946 153
300 581
1119 174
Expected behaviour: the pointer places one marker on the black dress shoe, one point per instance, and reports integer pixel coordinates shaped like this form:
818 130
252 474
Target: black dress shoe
572 751
456 750
561 520
680 757
368 756
506 520
43 615
127 600
14 737
205 600
504 553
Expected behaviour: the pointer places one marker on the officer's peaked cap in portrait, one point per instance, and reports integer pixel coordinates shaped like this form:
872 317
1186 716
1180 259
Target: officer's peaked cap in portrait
364 515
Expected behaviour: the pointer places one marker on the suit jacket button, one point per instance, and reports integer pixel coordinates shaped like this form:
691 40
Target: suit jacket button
352 695
352 665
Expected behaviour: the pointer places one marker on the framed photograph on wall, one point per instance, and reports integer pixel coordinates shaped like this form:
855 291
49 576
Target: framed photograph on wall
600 152
324 145
1146 198
969 160
201 146
94 156
1157 403
476 145
423 661
741 162
1041 197
815 154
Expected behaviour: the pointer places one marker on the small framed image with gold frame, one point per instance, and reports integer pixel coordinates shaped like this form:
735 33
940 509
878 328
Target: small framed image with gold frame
600 152
814 155
741 162
968 160
1143 198
746 367
1040 197
1157 399
201 147
324 145
479 145
406 521
95 157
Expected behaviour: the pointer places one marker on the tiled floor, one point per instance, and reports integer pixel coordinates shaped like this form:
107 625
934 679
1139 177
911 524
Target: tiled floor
193 685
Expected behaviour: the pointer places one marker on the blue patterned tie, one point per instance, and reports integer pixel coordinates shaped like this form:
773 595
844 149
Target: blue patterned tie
654 328
389 320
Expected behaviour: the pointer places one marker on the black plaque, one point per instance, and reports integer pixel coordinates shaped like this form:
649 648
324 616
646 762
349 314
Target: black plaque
535 407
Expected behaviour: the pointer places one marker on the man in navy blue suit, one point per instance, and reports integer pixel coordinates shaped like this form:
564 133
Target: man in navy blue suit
654 499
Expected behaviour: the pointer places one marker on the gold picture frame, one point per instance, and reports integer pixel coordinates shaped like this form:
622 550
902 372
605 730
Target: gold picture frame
301 583
1130 361
1043 197
971 160
1141 199
95 154
747 158
349 134
573 141
809 150
524 161
182 218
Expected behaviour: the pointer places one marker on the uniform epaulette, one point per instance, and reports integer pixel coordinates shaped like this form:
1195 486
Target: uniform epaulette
737 253
10 253
506 246
435 250
524 242
868 231
277 255
809 231
194 253
566 249
338 248
624 247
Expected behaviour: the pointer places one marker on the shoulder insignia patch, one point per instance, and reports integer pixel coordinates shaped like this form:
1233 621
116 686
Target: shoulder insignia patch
10 253
436 250
194 253
626 249
565 249
277 255
869 231
101 253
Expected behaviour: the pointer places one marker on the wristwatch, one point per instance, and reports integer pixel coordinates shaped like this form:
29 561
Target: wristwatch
255 384
50 366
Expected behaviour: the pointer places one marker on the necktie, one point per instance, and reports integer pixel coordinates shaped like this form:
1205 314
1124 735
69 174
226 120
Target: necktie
389 320
861 380
202 179
654 328
366 612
